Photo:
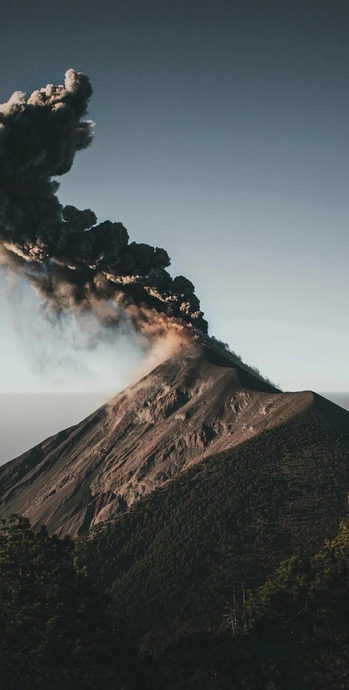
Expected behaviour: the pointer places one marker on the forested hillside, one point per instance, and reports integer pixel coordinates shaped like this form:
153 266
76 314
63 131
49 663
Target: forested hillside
293 633
172 561
56 632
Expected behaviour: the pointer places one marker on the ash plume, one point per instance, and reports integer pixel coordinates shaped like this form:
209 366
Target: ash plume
71 261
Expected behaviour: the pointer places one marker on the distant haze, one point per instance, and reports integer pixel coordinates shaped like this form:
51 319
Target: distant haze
27 419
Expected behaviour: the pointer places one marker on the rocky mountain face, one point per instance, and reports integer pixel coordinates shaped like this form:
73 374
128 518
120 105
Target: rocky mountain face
195 405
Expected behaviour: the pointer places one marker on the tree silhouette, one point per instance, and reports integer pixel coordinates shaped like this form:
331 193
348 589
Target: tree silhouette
54 629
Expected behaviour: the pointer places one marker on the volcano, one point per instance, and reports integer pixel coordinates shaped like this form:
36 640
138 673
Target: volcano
195 406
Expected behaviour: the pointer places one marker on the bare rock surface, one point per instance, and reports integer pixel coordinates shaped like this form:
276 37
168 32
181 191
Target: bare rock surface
195 405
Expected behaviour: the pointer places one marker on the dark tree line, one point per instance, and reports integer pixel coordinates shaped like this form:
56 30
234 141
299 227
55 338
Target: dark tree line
296 636
55 633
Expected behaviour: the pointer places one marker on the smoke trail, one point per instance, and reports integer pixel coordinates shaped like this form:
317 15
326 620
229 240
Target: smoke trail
72 262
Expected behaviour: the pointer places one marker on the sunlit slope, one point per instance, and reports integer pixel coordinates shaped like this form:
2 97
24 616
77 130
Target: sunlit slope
196 404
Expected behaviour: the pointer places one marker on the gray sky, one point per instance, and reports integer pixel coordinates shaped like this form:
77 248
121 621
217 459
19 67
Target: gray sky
221 135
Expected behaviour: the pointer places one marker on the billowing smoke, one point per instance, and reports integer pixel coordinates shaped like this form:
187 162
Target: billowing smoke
72 262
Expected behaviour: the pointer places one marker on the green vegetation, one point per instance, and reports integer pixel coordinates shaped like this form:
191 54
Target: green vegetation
292 633
305 606
170 564
297 636
54 630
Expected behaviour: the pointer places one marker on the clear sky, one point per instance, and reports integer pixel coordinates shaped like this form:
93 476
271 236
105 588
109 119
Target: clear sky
221 135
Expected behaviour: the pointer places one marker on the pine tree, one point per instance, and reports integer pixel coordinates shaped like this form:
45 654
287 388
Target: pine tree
55 633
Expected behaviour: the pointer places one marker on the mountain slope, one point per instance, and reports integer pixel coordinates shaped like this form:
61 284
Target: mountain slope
172 561
198 403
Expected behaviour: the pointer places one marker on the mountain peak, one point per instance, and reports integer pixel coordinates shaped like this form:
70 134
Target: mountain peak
194 405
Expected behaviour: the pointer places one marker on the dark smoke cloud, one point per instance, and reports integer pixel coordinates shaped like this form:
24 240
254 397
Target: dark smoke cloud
71 261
